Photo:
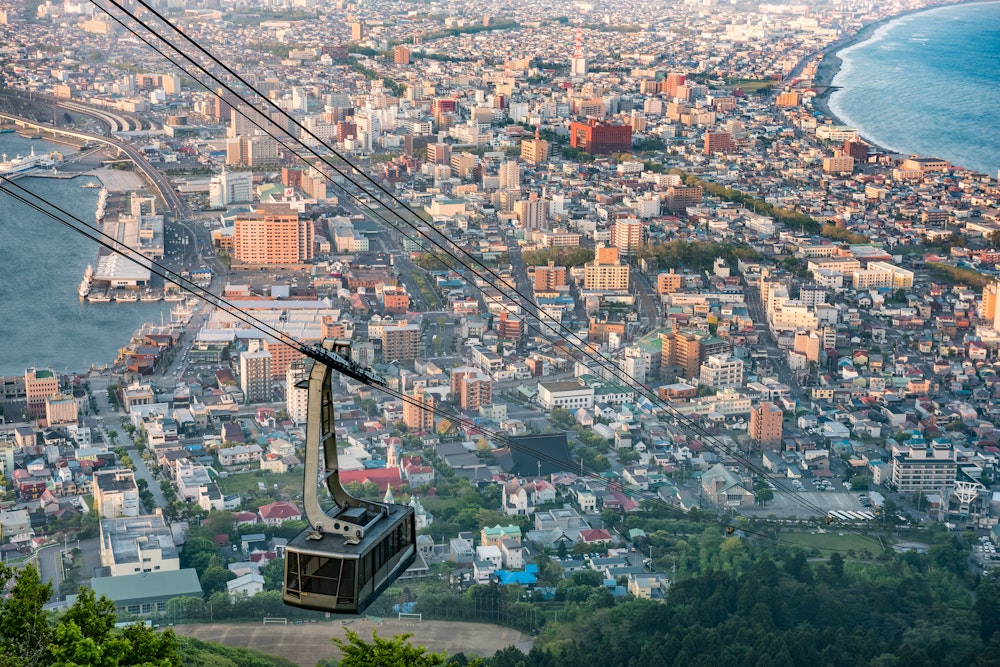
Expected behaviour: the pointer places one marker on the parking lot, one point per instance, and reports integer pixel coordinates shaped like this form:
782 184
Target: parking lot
808 503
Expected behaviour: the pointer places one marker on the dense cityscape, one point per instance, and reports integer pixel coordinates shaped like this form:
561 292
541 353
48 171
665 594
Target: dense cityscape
647 312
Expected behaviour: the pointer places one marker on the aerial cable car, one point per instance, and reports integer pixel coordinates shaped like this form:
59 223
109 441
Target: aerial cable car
353 552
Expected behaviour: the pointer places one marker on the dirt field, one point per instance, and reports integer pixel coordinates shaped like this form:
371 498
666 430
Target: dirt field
309 643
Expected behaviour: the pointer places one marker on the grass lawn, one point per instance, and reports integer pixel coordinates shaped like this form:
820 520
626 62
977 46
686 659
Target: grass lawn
244 483
833 541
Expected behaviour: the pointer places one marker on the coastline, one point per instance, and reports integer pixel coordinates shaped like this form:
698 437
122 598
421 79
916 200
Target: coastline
831 64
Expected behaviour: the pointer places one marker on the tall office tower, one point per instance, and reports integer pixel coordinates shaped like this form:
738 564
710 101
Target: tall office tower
510 175
532 213
765 425
626 235
273 234
988 311
418 412
296 397
255 373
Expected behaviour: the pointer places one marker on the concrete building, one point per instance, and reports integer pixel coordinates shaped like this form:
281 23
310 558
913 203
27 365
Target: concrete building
722 371
39 384
929 468
627 235
273 234
471 388
116 494
568 395
606 273
133 545
255 373
296 397
61 409
765 425
418 414
549 278
230 187
400 342
594 137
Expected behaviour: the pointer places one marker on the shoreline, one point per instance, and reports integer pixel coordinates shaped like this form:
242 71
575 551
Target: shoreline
832 63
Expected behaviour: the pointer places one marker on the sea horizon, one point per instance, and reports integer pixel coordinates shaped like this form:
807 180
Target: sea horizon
933 64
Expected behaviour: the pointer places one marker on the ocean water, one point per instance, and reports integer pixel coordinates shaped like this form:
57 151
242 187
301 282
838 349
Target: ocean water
928 83
43 323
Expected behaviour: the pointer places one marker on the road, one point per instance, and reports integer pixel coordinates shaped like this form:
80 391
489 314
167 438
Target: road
778 359
107 420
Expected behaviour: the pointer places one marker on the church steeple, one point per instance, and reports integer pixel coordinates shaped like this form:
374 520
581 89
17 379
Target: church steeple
392 456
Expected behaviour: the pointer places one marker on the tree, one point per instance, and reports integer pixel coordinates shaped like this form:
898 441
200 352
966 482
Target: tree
395 652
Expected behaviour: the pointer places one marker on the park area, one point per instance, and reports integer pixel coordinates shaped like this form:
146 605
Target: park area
833 541
247 483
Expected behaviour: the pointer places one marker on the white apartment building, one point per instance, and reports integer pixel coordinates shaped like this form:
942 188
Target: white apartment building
296 398
116 493
568 395
721 371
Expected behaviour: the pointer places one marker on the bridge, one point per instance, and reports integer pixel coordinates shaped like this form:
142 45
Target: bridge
157 181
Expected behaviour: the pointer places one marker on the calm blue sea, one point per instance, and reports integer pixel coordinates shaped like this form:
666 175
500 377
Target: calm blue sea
42 320
928 83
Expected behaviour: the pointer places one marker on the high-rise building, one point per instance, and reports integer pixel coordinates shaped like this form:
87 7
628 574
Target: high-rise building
510 175
535 151
296 397
255 373
439 153
807 343
988 310
606 273
61 409
230 187
672 82
594 137
627 235
471 388
532 213
418 412
38 386
765 425
719 142
400 342
683 349
357 31
273 234
400 55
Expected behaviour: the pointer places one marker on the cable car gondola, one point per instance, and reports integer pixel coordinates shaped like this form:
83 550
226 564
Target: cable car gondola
350 554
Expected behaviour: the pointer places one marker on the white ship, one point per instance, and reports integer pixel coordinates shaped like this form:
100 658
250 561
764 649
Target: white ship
87 282
90 185
174 296
102 202
21 164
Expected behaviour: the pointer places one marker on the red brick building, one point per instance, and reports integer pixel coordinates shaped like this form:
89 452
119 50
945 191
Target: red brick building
594 137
